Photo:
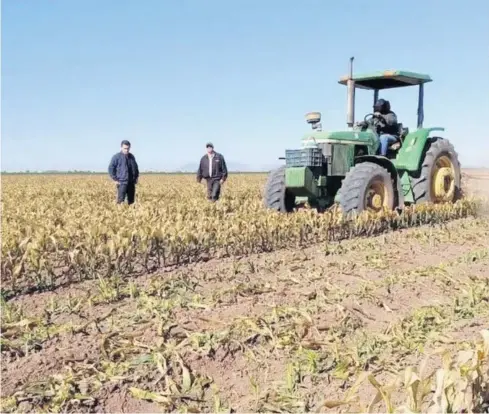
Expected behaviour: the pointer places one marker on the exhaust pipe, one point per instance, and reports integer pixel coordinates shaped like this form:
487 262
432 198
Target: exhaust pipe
350 109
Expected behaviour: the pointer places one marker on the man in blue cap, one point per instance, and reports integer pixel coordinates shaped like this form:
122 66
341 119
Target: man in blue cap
213 168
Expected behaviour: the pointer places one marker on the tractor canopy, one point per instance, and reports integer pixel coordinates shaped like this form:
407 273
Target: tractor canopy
387 79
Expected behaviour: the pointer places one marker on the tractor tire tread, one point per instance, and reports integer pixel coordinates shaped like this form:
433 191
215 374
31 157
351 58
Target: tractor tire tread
274 196
421 184
353 183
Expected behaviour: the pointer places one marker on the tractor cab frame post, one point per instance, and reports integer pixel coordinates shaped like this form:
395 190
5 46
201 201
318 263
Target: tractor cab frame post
421 106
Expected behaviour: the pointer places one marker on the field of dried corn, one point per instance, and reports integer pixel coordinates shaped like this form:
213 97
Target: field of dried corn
176 304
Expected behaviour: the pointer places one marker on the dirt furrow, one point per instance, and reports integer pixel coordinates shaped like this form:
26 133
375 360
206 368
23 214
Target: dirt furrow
344 318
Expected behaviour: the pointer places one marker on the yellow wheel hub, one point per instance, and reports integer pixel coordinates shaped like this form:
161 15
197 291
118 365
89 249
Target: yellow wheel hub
376 201
443 180
376 197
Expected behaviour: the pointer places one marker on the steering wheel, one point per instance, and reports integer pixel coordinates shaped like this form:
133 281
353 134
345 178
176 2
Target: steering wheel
370 116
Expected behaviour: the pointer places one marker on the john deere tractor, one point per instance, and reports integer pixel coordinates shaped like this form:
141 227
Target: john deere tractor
345 166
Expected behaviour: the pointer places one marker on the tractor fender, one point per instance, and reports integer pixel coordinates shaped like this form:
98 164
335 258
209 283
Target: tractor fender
389 166
412 151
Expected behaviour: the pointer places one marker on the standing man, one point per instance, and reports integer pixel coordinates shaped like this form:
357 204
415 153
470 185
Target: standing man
123 169
213 168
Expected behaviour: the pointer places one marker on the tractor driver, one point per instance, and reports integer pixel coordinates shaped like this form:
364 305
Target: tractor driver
386 122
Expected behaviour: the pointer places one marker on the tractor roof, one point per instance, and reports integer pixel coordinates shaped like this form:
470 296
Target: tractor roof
387 79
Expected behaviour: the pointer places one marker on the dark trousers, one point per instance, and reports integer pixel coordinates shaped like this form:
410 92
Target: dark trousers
213 189
126 190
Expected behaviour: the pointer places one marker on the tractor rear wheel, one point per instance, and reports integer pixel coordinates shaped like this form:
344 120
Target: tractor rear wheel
439 177
276 196
367 186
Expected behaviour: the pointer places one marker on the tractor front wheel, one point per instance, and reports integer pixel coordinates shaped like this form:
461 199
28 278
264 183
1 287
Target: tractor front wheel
276 196
367 186
439 178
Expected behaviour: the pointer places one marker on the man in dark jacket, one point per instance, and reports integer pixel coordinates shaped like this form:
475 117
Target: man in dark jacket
123 169
387 126
213 168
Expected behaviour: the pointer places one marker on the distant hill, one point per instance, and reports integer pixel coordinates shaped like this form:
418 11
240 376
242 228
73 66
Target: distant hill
190 169
187 168
232 167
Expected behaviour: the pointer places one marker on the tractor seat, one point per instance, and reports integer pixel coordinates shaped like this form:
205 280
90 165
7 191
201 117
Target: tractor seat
402 134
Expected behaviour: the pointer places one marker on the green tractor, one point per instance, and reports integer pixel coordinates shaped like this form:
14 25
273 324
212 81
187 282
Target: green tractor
344 166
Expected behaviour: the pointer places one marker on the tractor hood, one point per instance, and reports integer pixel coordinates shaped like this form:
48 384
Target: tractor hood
339 137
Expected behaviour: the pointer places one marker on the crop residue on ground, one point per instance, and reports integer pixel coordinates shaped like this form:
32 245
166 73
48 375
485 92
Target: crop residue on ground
176 304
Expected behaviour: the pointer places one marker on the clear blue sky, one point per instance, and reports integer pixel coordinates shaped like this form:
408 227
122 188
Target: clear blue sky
78 76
